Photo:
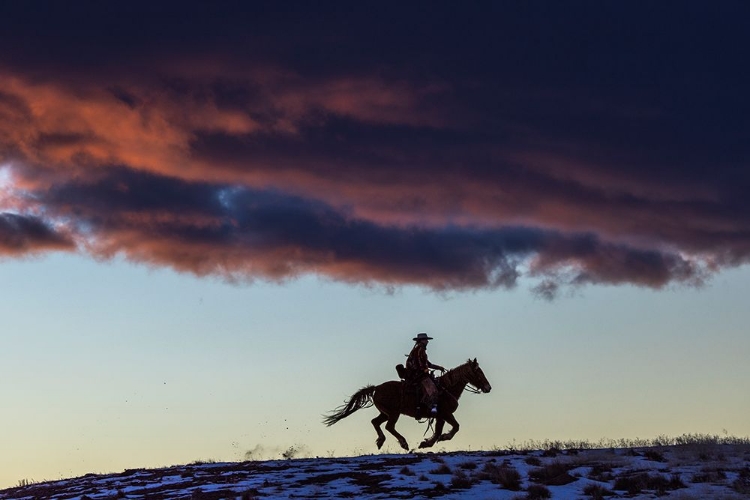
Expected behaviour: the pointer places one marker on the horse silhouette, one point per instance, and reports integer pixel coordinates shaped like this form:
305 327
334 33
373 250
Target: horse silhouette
395 398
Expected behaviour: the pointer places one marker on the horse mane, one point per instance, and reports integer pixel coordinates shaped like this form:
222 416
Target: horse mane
459 371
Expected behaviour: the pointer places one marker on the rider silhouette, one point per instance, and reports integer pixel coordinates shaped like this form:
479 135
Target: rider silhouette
418 368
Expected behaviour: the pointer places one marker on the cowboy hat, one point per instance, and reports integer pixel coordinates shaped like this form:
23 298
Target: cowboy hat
422 336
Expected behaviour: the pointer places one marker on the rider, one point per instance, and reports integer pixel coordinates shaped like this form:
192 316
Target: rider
418 366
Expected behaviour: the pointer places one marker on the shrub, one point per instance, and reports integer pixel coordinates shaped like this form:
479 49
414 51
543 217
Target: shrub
654 455
468 465
633 483
460 480
199 494
675 482
742 483
537 492
708 475
406 471
636 483
597 492
203 462
534 461
601 472
552 474
504 475
441 469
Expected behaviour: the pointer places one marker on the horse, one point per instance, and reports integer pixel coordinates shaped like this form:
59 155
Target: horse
393 399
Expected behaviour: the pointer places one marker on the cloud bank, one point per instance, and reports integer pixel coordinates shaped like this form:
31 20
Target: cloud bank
456 159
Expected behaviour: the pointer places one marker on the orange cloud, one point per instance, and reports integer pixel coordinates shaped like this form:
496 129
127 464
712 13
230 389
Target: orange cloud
49 125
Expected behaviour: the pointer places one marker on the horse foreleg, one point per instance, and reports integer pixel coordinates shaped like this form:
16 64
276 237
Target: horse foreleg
391 427
454 428
427 443
377 422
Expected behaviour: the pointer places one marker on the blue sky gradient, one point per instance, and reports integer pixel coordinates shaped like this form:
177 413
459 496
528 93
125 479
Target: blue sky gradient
117 366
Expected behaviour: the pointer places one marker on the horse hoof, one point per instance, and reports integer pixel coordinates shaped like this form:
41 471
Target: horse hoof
380 442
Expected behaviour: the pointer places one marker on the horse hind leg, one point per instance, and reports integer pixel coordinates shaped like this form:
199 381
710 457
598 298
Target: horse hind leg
391 427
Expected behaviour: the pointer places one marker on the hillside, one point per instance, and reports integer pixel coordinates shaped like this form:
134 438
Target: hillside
693 471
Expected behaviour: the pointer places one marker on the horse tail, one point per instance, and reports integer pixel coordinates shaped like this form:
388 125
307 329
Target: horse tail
360 399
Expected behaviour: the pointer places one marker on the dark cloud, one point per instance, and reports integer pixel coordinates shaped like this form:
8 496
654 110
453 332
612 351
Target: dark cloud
22 235
243 234
449 147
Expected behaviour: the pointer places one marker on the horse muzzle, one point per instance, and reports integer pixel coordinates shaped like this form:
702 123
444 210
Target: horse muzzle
486 388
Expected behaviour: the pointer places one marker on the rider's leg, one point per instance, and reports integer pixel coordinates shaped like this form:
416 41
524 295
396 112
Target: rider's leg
430 393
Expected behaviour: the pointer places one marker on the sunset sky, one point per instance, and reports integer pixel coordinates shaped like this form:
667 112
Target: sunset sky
217 222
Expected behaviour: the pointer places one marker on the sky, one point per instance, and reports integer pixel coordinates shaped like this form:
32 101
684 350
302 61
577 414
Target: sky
217 222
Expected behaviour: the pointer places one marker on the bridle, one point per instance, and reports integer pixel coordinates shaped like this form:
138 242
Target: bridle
471 389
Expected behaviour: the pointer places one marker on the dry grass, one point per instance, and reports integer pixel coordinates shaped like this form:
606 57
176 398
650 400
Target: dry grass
715 456
468 465
597 492
552 474
503 475
555 447
537 492
406 471
742 483
461 480
681 495
602 472
598 458
709 475
635 483
441 469
654 455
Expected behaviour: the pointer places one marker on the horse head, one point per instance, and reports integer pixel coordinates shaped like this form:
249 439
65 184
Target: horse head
477 377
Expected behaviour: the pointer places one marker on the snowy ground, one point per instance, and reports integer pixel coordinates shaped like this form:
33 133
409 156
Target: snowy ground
685 472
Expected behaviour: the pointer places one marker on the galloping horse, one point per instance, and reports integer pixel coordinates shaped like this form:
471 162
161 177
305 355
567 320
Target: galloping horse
393 399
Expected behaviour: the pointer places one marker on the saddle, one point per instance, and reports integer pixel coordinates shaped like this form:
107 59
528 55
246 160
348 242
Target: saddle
412 388
402 372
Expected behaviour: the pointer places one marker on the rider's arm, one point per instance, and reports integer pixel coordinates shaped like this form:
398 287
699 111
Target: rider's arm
435 367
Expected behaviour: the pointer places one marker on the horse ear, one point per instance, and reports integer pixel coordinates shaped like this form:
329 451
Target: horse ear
475 362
